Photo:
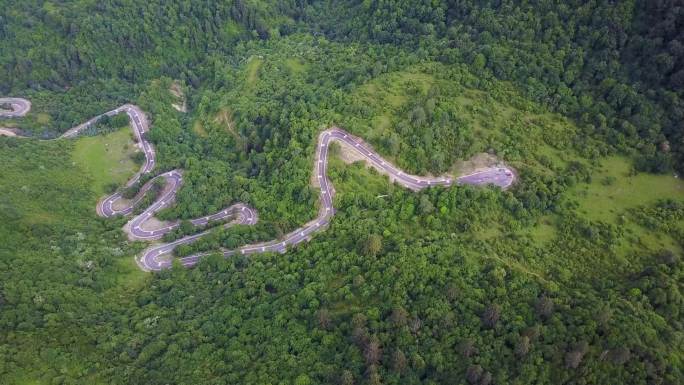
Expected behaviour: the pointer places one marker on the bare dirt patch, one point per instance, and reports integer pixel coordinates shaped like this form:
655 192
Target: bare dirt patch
155 224
198 128
121 204
181 104
8 132
350 155
478 162
150 224
224 118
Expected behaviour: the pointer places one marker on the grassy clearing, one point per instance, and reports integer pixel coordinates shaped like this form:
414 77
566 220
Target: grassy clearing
614 190
129 277
232 30
387 95
390 90
638 237
355 177
500 119
198 128
32 176
43 118
106 158
496 123
253 66
295 65
224 119
543 231
611 193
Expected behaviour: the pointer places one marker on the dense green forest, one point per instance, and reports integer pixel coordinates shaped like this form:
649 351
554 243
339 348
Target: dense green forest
574 275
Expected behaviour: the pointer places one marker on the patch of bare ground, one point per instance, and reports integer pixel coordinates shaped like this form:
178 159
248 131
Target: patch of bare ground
224 118
176 91
476 163
350 155
155 224
198 128
150 224
121 204
8 132
479 162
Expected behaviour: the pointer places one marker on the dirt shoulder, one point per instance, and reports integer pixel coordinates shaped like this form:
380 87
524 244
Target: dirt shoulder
7 132
350 155
181 104
477 162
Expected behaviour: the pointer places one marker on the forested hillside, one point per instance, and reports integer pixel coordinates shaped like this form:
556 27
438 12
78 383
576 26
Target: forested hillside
574 275
616 67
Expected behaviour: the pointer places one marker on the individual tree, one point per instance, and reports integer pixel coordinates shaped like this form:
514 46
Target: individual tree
372 245
522 347
346 378
415 324
399 361
119 121
373 351
399 316
373 375
138 157
620 355
544 307
491 315
324 319
467 348
302 379
426 206
473 374
486 378
574 357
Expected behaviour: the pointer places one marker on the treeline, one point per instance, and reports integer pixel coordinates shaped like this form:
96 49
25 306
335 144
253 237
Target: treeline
613 66
127 40
442 286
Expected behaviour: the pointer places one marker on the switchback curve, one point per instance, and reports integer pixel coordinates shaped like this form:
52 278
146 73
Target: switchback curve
155 258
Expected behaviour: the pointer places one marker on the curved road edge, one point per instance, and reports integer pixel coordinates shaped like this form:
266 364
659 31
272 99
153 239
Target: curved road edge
20 107
501 176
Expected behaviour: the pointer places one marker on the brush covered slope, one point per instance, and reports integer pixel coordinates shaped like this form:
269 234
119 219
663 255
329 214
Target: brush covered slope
573 275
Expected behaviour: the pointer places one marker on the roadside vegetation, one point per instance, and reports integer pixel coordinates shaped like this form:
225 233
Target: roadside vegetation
574 275
110 159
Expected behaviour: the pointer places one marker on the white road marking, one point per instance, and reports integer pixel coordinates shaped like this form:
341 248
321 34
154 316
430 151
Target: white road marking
174 177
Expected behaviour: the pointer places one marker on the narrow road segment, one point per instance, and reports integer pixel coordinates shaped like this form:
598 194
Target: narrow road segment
18 107
158 256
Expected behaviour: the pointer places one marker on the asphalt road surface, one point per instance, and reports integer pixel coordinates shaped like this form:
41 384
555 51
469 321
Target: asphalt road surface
500 176
19 107
158 257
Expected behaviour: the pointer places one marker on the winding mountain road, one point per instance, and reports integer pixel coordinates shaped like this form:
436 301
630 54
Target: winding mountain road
157 257
19 107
